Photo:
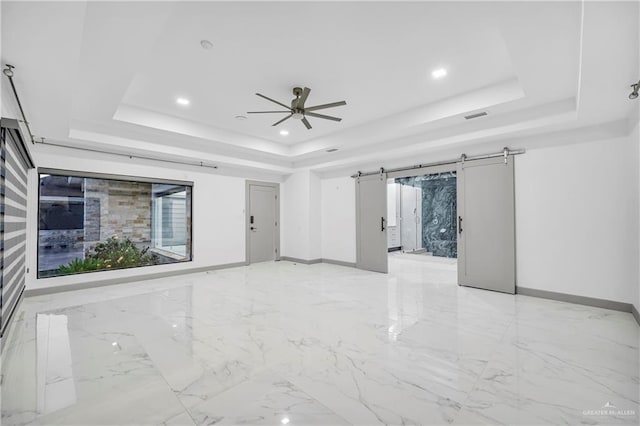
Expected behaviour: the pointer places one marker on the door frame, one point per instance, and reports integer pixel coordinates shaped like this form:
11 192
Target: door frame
429 170
247 209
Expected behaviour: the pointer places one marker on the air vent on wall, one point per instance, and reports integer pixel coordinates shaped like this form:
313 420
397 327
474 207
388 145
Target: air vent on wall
479 114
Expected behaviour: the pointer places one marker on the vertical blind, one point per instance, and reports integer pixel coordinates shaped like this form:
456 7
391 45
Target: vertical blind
14 163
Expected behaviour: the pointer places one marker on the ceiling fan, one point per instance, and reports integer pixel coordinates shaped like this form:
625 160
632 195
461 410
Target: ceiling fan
298 110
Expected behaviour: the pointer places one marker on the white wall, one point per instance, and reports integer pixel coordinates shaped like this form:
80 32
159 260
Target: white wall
635 139
315 216
635 136
218 214
577 219
9 107
318 217
634 122
339 219
294 214
300 215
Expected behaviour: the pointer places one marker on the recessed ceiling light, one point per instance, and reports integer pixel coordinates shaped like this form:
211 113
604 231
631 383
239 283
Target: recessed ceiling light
439 73
241 117
182 101
206 44
284 132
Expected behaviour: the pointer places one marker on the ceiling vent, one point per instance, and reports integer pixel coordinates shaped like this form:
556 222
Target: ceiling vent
479 114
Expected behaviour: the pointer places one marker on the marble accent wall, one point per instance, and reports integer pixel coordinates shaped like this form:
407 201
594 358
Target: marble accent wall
439 212
439 215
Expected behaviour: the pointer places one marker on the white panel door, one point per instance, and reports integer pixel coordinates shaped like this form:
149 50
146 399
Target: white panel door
263 226
408 209
486 224
371 222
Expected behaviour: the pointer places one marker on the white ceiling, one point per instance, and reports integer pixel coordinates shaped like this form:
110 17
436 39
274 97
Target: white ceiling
106 75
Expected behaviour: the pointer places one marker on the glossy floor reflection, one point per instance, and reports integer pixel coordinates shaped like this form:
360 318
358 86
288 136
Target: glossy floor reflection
283 343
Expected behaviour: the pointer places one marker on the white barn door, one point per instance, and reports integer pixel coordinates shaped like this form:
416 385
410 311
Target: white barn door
371 222
486 224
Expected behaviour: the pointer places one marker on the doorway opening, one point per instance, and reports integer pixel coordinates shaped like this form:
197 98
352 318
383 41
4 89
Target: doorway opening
422 219
471 222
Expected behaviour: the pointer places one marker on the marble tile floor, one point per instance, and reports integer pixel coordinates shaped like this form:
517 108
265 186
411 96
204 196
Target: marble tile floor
424 257
282 343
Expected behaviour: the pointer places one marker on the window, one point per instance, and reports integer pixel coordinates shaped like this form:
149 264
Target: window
89 223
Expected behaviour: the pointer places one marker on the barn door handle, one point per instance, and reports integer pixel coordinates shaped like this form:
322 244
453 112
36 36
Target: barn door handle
459 224
382 224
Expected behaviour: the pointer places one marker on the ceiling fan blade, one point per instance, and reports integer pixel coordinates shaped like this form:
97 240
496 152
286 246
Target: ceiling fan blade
323 106
269 112
306 123
303 97
326 117
286 118
274 101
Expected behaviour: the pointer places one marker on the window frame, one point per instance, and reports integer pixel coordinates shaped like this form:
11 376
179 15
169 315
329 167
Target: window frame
108 176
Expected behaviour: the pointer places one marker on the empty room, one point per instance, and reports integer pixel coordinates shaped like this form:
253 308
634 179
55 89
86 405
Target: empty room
320 212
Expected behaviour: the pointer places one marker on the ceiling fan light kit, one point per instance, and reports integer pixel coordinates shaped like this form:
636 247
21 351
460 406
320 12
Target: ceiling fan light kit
297 110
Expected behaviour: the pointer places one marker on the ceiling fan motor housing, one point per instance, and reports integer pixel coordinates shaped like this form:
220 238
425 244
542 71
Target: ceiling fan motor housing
297 92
